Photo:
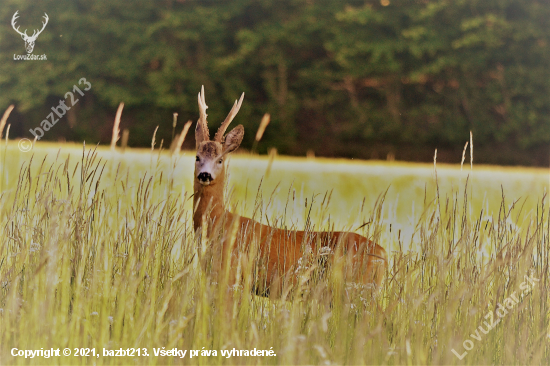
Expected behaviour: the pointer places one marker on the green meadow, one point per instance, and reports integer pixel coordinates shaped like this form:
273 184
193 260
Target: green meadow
97 251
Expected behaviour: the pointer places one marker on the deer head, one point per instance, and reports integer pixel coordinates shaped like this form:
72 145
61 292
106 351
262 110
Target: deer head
209 164
29 40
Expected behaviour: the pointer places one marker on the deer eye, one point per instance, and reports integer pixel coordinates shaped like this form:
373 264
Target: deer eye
197 159
220 161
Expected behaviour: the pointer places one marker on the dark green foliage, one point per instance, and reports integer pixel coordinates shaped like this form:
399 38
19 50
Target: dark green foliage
355 79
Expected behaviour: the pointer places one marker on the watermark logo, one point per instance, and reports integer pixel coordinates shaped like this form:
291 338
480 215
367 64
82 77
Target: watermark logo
57 113
501 311
29 40
25 145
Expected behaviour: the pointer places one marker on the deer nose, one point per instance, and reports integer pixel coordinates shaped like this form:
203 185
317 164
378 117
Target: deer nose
205 177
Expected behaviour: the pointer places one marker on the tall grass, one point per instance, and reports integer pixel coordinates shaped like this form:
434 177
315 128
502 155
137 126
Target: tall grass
94 254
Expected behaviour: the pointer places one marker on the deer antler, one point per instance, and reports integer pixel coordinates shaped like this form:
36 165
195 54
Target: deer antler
24 34
232 113
35 35
13 19
203 115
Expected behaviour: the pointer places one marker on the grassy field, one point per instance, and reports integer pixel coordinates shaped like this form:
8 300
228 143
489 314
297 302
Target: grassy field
97 252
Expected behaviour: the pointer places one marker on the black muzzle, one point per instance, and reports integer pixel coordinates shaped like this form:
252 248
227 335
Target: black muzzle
205 177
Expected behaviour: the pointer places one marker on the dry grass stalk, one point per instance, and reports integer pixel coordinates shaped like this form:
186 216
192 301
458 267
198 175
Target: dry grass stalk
116 130
7 133
263 125
471 152
181 137
463 155
5 118
272 155
435 159
153 139
174 123
124 142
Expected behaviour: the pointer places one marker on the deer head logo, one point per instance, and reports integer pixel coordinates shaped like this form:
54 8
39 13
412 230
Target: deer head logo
29 40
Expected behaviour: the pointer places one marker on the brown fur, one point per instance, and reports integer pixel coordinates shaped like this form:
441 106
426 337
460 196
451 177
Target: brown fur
279 253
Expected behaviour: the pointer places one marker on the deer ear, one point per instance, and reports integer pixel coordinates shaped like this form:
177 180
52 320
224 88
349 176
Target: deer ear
199 134
233 139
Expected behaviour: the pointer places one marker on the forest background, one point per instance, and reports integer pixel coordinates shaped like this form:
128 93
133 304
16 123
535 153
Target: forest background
358 79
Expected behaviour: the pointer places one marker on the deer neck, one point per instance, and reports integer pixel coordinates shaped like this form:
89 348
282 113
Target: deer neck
207 199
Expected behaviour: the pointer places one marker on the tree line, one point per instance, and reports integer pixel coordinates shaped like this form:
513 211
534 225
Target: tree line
363 79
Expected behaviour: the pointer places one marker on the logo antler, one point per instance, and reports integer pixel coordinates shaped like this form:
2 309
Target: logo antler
29 40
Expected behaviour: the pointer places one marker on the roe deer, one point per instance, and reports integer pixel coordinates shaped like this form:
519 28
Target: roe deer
278 251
